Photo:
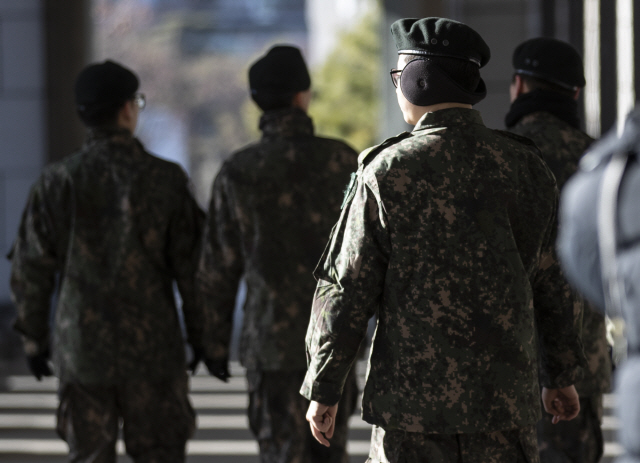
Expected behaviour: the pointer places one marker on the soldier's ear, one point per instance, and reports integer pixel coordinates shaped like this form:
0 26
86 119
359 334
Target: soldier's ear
301 100
517 87
576 95
128 116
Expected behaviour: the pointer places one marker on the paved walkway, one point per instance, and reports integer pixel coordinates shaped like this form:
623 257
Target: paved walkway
27 421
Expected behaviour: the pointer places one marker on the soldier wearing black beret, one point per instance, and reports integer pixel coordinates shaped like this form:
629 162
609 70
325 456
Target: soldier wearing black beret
102 90
112 229
272 206
547 80
446 235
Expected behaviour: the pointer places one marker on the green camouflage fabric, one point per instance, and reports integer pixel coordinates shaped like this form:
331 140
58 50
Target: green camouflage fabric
448 235
277 418
118 226
562 146
272 207
578 440
513 446
158 419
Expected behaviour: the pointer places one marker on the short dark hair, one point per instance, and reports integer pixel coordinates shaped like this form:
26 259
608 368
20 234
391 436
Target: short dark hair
464 72
269 101
534 84
100 115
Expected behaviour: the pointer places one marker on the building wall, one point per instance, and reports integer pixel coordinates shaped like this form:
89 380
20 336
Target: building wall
503 24
22 116
22 137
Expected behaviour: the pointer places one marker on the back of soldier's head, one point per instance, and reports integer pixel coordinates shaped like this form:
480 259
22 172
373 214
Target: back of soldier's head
443 60
101 89
275 78
549 64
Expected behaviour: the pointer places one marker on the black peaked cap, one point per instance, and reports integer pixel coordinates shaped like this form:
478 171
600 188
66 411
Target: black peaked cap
281 70
104 83
550 59
440 37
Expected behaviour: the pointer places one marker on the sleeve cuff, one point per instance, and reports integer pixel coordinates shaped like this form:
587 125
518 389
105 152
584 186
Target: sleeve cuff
324 393
564 379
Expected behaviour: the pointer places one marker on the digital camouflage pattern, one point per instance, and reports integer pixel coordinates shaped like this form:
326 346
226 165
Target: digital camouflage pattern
448 234
118 226
272 207
158 420
514 446
562 146
277 418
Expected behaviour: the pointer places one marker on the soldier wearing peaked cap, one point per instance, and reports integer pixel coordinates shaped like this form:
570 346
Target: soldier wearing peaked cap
272 206
116 226
547 80
447 234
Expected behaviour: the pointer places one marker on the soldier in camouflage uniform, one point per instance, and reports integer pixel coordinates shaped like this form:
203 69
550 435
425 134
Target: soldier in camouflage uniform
272 207
447 234
115 227
546 83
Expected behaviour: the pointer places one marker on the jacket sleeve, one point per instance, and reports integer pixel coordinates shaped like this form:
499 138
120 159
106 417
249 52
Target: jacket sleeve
558 312
35 261
185 232
220 268
351 276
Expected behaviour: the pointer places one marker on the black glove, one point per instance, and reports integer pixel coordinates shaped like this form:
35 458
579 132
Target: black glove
218 368
198 353
39 364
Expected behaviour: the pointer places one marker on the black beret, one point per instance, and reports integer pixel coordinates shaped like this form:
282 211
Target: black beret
439 37
281 70
550 59
102 83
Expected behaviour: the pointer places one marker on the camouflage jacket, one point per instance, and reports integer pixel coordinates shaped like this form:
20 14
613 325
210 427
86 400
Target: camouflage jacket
272 207
116 226
562 147
448 235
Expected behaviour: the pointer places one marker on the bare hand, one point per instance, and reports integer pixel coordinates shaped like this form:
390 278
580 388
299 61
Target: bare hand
563 404
322 419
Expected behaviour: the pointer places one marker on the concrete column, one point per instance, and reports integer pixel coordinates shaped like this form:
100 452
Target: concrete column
22 131
503 24
608 66
43 45
68 49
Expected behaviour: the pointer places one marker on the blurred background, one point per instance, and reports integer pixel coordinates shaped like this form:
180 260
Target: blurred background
192 57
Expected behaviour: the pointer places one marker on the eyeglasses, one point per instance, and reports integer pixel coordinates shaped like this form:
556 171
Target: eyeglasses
395 76
140 100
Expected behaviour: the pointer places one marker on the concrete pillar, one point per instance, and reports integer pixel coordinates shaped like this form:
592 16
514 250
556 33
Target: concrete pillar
43 45
68 48
608 68
23 135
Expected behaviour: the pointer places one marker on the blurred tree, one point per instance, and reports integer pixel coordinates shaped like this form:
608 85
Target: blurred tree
346 86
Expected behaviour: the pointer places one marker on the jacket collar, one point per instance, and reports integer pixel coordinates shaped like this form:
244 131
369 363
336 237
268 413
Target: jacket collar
447 118
285 123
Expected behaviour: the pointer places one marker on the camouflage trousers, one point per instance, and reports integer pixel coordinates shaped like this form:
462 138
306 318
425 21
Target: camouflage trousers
577 441
157 419
277 419
512 446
